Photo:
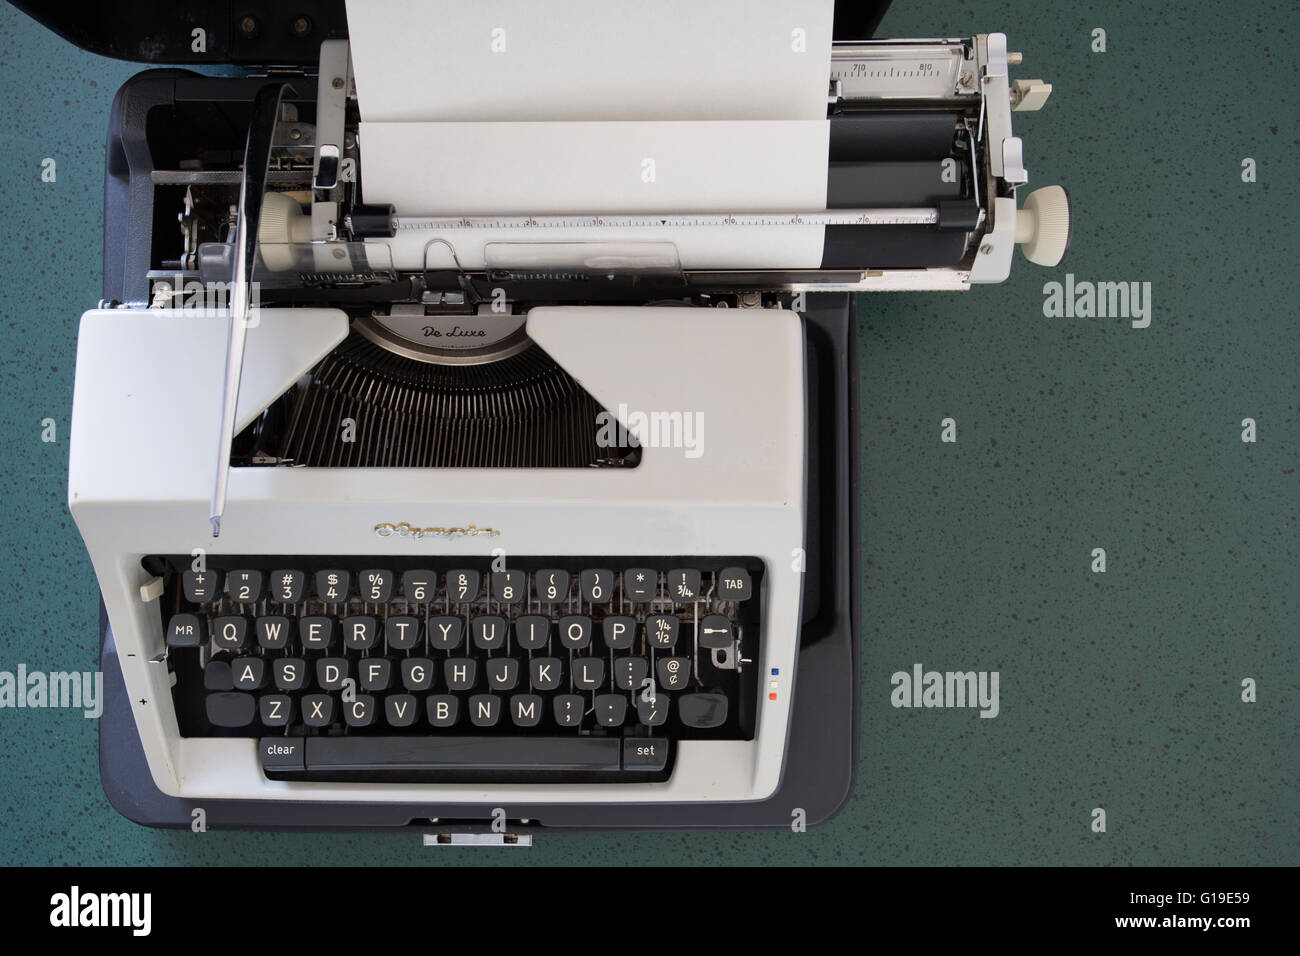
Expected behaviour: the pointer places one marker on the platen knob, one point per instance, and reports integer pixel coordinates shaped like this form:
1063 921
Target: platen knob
283 221
1043 225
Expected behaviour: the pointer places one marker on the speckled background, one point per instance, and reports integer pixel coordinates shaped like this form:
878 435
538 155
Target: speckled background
1119 690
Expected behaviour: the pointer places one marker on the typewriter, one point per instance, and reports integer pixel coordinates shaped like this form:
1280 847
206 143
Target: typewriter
466 438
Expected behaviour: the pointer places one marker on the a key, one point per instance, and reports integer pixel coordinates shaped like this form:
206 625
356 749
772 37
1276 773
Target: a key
610 709
442 709
588 673
359 633
231 709
525 710
629 672
684 585
331 672
463 585
575 631
567 709
551 586
596 585
640 584
217 676
460 672
316 633
489 632
317 710
201 587
244 586
374 673
531 631
502 673
275 710
509 587
417 673
288 673
401 632
734 585
375 585
359 712
652 711
400 710
332 586
619 632
419 587
544 673
674 672
484 710
248 673
272 632
229 633
186 630
446 632
715 631
288 586
661 630
702 711
645 753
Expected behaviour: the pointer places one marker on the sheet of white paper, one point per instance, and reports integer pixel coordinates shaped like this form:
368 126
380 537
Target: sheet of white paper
520 60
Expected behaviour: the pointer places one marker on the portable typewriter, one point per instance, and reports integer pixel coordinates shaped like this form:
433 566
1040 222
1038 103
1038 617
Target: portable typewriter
467 432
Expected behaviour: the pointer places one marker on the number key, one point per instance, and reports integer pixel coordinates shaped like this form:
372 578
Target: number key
376 585
244 586
597 585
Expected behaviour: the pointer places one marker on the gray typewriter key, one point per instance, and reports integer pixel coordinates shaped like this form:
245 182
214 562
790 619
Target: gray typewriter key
545 673
734 585
502 673
683 585
400 710
317 710
460 672
401 632
575 631
186 630
273 632
484 710
611 709
588 673
332 585
463 585
419 586
359 633
375 585
715 631
288 586
526 710
445 633
375 673
288 673
249 673
276 710
231 709
596 585
489 632
629 672
229 633
442 709
359 712
568 709
674 672
316 633
644 753
244 586
640 584
509 587
217 676
551 585
653 711
201 587
702 711
531 631
331 672
619 632
417 673
281 753
661 630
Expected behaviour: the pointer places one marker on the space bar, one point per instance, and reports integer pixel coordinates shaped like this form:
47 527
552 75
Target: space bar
541 754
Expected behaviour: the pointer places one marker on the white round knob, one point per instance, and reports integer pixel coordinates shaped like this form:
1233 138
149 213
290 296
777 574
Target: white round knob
1043 225
282 222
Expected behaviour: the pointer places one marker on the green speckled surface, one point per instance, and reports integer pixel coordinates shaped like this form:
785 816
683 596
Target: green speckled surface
1119 690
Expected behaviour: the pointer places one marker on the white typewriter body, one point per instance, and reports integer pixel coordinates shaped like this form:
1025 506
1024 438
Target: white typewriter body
520 178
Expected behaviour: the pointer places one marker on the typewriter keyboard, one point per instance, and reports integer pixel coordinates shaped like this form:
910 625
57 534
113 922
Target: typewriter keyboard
425 669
